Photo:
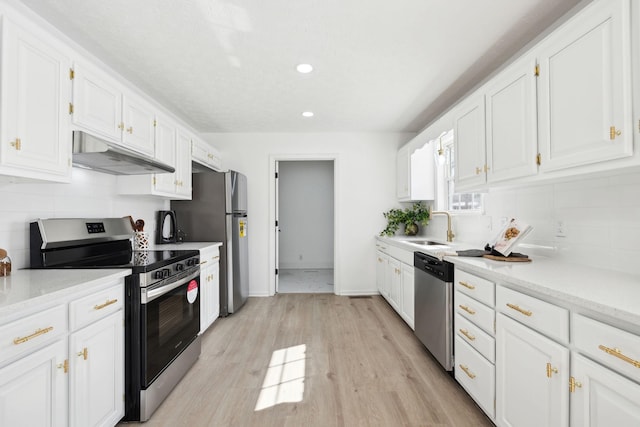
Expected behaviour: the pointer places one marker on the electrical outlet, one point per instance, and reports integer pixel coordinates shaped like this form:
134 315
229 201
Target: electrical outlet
560 229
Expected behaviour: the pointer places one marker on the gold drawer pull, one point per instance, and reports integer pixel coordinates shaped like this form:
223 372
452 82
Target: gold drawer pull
467 309
467 334
573 384
101 306
467 371
618 353
520 310
216 257
84 353
466 285
64 366
551 370
37 333
203 262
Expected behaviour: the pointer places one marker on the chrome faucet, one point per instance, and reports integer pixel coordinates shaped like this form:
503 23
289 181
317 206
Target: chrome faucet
450 234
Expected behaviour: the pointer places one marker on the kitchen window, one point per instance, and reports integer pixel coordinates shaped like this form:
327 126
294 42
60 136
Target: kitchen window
447 198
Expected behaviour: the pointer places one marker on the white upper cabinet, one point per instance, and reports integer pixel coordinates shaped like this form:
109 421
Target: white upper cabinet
101 107
183 164
36 140
164 183
97 102
206 155
415 173
469 141
511 122
584 88
139 124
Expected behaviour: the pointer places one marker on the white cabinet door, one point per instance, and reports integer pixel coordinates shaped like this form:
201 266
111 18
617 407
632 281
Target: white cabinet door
402 174
36 138
584 88
165 152
33 390
395 283
210 288
532 374
97 373
139 120
97 102
601 397
183 165
511 122
469 142
382 261
408 295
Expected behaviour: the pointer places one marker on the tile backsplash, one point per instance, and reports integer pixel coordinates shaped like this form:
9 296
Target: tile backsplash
90 194
591 221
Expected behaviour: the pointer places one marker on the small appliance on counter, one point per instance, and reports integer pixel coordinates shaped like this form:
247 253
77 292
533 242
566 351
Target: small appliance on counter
166 227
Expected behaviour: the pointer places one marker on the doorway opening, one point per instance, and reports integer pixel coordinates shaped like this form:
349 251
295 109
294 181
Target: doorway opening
304 234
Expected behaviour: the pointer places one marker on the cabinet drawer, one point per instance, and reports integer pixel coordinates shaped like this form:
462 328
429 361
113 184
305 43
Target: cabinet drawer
477 338
481 289
613 347
549 319
96 306
29 333
476 375
209 256
476 312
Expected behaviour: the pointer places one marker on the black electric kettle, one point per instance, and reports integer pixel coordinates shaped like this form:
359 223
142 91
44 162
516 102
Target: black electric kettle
167 227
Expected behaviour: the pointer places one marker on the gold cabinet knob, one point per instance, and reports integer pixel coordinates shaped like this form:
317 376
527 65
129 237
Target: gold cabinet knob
121 126
17 144
130 130
613 132
478 171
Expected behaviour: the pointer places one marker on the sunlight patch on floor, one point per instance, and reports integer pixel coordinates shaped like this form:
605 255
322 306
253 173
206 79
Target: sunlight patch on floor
284 380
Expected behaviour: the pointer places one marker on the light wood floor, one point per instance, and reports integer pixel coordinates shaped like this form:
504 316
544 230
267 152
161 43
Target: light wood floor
362 367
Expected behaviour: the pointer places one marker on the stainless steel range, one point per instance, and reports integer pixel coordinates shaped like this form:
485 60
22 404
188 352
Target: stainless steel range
162 310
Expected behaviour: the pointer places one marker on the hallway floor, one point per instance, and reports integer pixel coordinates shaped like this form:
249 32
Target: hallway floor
305 281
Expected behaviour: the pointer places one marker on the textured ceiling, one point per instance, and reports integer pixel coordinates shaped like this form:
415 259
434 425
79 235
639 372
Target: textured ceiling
229 65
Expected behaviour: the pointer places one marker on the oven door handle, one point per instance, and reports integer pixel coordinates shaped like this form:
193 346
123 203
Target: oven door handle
152 294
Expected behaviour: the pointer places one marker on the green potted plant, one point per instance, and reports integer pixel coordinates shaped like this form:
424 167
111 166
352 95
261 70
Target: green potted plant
410 217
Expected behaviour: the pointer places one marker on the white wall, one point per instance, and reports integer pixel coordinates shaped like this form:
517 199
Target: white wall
305 214
365 174
90 194
599 216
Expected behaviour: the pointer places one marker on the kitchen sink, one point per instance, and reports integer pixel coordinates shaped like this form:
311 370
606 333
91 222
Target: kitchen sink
425 242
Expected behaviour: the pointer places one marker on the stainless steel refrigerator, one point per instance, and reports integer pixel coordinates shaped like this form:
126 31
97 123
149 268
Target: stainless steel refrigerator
218 213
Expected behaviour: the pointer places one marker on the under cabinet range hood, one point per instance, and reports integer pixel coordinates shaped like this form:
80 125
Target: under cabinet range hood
94 153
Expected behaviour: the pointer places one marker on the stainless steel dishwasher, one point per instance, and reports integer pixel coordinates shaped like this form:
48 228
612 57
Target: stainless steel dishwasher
434 306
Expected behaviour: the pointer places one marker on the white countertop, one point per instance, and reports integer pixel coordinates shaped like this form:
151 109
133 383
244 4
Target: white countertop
23 288
606 292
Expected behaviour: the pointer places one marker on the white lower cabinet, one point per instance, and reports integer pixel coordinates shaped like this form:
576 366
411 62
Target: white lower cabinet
209 286
394 272
600 397
532 374
55 372
408 295
394 279
33 390
476 374
96 373
382 263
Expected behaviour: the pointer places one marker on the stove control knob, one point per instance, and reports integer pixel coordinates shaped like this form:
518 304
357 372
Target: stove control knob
191 262
166 272
158 274
179 267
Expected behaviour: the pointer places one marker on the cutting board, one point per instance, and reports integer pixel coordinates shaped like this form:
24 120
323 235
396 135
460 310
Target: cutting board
507 259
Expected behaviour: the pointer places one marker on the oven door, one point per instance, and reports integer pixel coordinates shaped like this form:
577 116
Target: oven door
170 320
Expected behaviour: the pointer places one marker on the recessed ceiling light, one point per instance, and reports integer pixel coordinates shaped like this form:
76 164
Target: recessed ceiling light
304 68
307 114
